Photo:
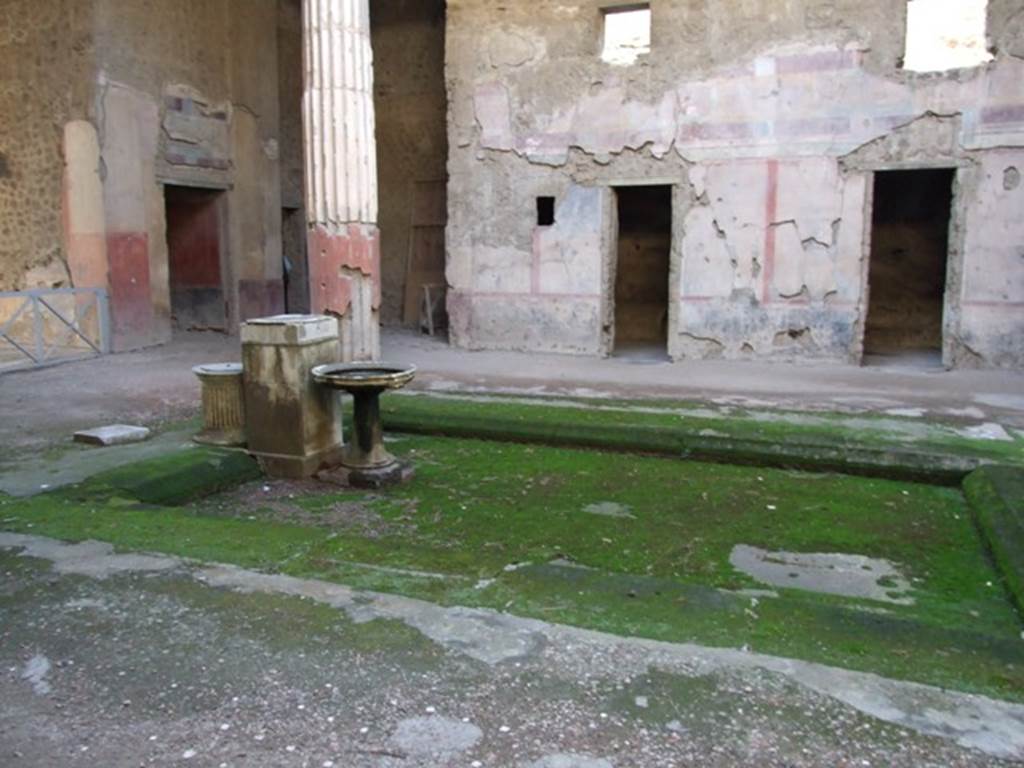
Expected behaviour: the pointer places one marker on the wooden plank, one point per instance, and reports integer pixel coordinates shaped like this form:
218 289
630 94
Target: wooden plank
425 262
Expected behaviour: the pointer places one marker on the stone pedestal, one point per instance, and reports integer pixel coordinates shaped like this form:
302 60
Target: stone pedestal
293 426
365 462
223 404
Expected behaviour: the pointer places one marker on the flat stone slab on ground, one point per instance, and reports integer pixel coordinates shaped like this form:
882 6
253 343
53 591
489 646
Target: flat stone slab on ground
399 473
834 574
439 736
609 509
114 434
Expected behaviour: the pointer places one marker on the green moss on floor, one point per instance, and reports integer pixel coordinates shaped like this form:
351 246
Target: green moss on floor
171 479
625 543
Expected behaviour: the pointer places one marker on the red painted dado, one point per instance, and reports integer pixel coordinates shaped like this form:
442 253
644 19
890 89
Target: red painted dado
771 208
331 254
131 301
193 238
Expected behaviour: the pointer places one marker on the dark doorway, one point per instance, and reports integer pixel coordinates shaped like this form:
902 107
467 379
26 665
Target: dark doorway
411 103
194 258
907 272
642 270
295 268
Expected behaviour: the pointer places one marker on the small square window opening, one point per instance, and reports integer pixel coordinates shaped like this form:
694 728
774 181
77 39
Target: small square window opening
545 211
627 34
943 35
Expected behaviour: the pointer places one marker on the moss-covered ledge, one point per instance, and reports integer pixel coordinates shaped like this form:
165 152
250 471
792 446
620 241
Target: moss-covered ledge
996 497
863 445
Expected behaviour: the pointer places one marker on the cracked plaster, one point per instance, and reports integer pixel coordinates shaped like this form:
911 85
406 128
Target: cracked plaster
769 136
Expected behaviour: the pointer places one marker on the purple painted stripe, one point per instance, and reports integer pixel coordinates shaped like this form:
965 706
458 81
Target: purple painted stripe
824 61
812 126
1012 113
711 131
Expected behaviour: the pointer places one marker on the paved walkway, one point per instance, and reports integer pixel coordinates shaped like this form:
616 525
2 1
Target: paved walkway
43 406
131 660
998 395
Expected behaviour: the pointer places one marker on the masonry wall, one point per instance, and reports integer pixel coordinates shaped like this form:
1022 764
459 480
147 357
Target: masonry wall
42 46
125 98
187 95
769 123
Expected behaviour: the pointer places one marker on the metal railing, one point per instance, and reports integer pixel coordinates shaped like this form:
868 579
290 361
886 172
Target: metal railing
46 326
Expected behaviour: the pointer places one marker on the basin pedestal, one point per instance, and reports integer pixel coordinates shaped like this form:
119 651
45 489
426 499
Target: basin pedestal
365 462
366 449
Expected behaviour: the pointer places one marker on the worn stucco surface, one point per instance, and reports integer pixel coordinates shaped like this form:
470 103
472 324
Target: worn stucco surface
768 121
181 93
187 94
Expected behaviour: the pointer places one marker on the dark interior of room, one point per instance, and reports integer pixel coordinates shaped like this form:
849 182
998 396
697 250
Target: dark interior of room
909 248
642 274
194 258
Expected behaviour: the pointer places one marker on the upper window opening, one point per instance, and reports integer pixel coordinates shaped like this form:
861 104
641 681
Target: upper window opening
946 34
627 34
545 211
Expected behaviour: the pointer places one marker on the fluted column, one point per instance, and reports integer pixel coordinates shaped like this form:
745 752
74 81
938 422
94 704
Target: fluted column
341 171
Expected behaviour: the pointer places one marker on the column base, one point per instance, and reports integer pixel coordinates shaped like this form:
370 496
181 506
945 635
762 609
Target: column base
397 473
223 438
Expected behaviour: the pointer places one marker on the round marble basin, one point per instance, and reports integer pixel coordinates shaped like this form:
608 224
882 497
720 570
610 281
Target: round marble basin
364 453
218 369
364 377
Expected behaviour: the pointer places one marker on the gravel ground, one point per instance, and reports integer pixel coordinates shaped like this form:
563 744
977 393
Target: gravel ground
133 661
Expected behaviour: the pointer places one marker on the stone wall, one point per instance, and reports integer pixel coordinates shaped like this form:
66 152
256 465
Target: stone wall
188 95
289 60
114 99
43 44
768 122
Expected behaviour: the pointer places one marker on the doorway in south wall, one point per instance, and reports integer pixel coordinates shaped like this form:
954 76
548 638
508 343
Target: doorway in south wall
643 255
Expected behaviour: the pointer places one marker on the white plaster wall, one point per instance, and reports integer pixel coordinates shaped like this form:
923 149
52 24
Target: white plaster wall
769 224
568 254
992 304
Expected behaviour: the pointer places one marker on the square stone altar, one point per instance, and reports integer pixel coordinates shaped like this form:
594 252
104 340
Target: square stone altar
293 426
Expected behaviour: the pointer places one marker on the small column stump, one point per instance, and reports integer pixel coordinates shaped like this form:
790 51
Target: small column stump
223 404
